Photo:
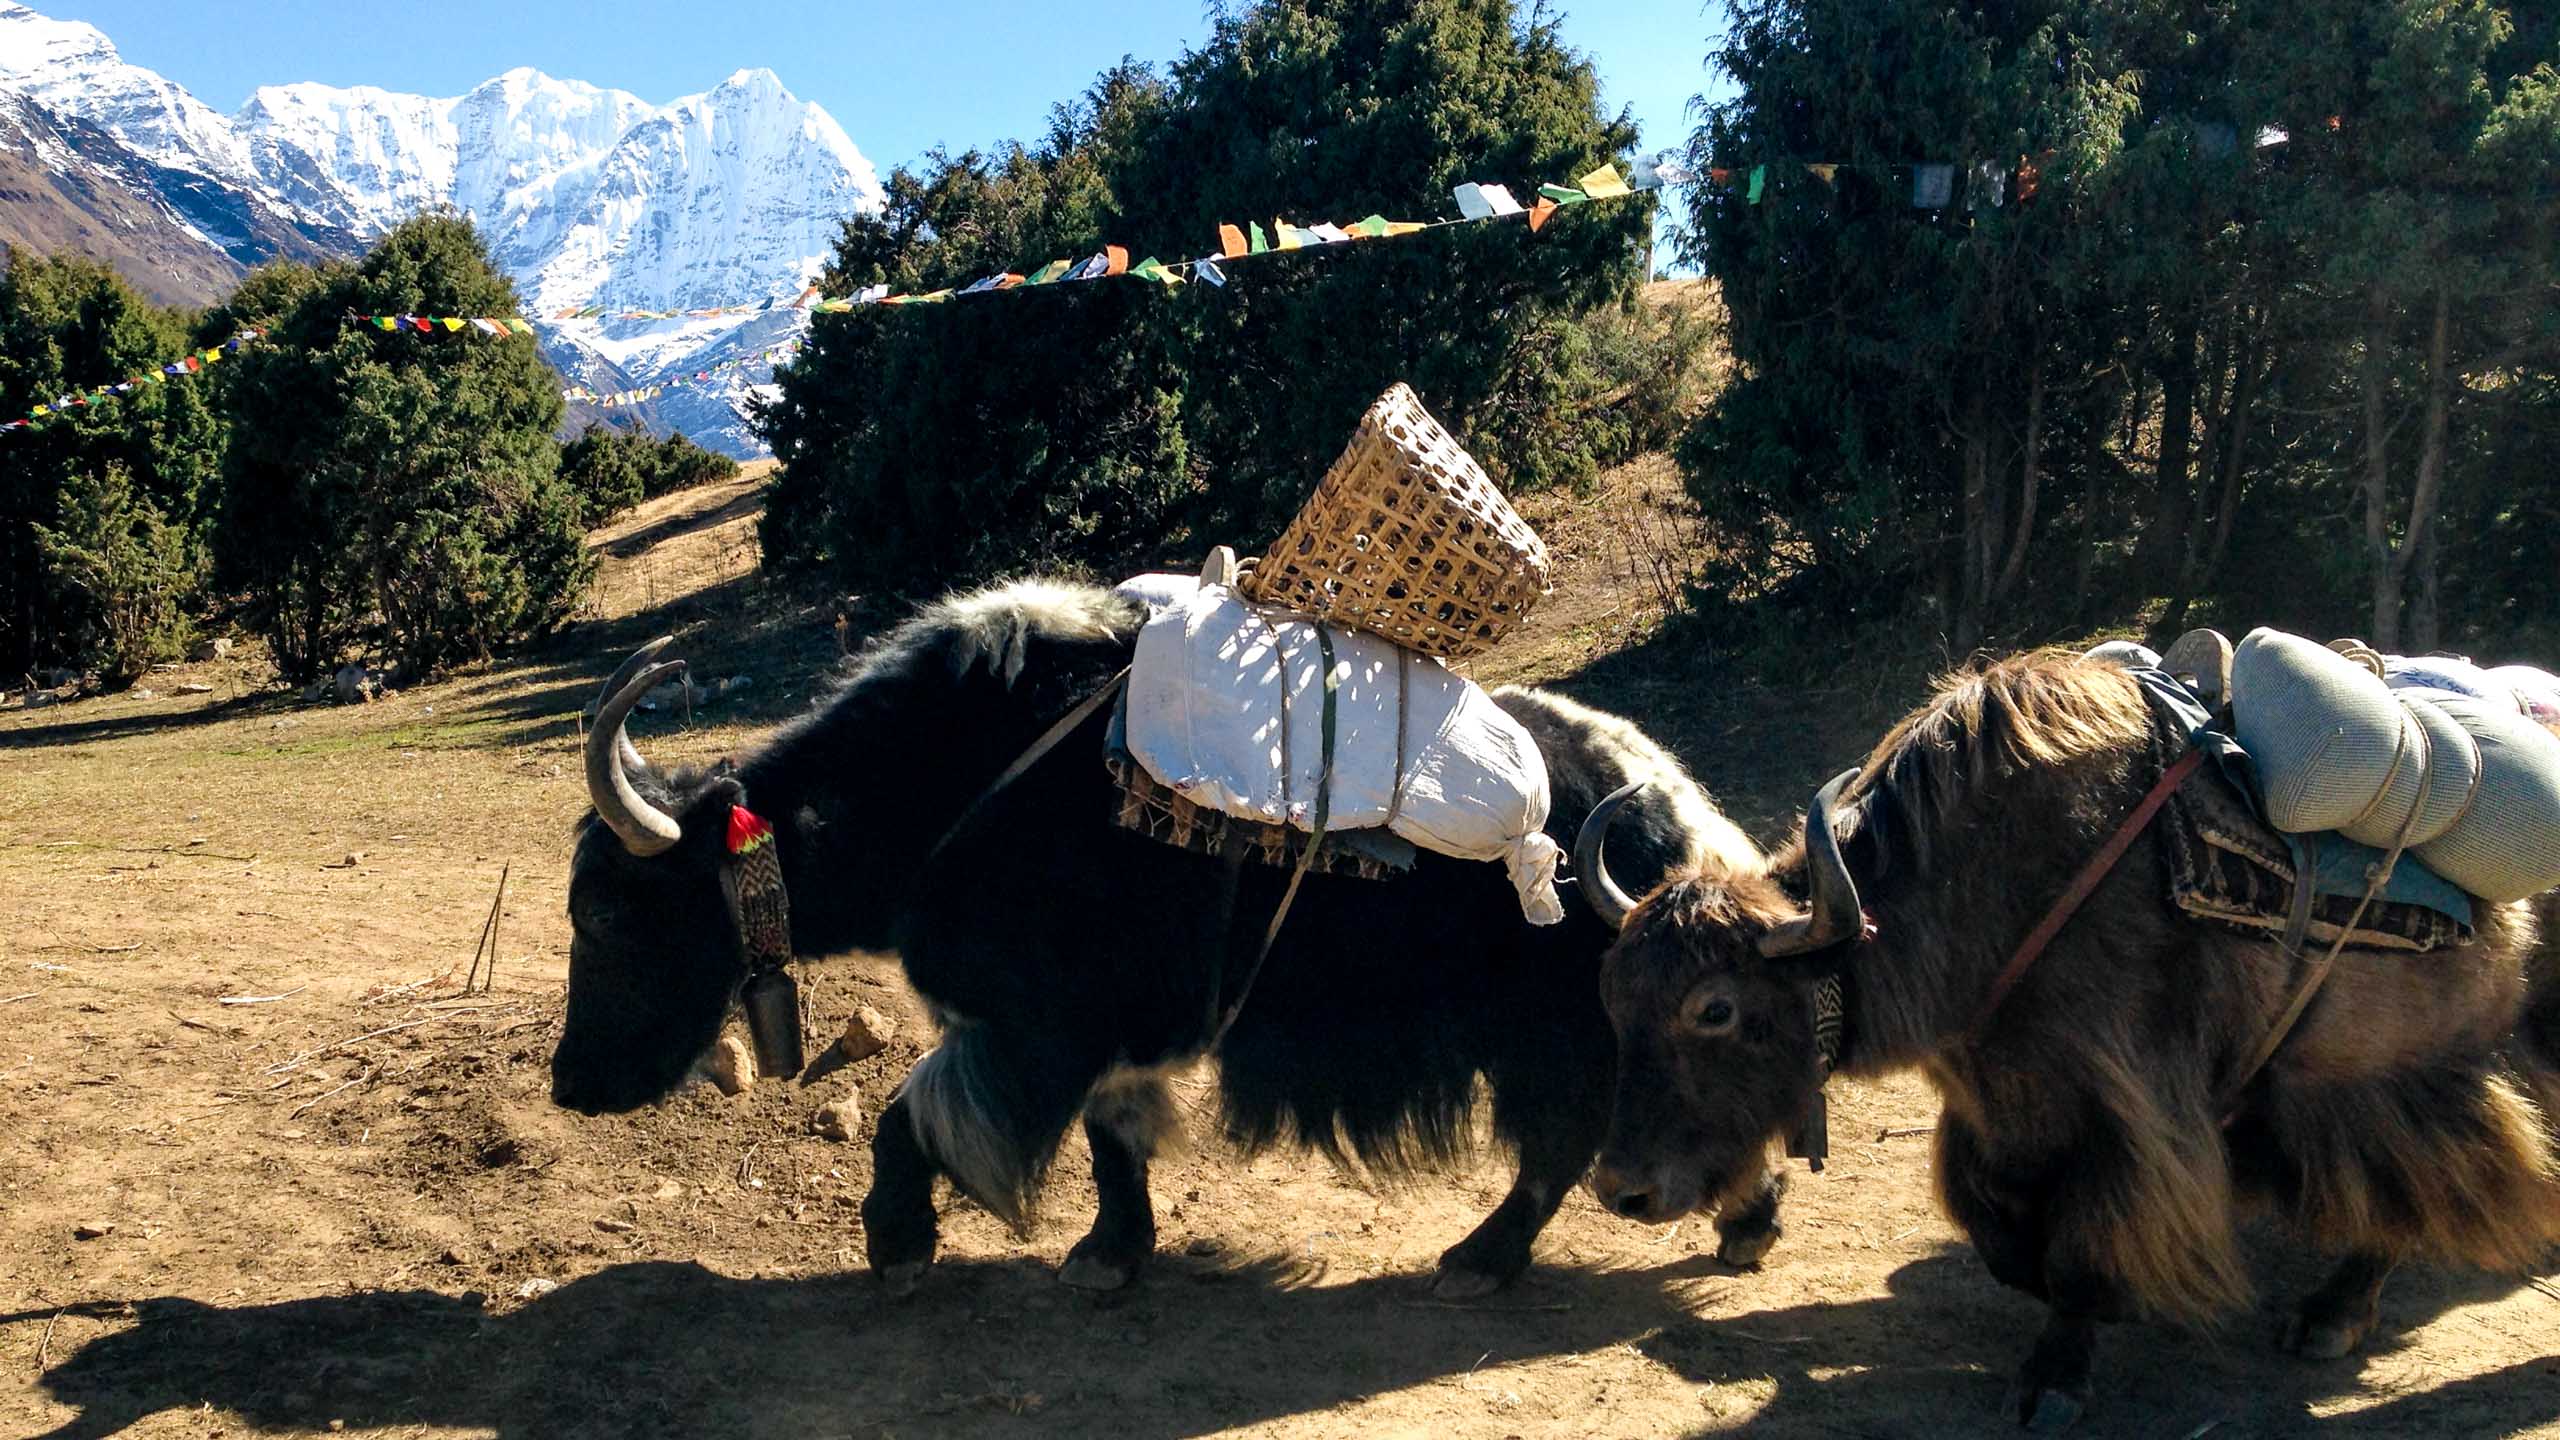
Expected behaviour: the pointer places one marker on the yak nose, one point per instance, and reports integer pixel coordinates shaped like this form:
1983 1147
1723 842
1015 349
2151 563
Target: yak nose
1620 1195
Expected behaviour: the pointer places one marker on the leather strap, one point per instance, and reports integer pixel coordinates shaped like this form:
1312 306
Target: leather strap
2086 883
1048 741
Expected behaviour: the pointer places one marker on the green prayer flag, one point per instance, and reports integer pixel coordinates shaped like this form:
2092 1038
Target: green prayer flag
1373 227
1759 178
1261 242
1562 194
1048 274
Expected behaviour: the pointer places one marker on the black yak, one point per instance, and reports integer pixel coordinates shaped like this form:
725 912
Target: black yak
2091 1143
1068 958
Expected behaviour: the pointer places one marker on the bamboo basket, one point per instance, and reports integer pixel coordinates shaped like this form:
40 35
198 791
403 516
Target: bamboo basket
1407 538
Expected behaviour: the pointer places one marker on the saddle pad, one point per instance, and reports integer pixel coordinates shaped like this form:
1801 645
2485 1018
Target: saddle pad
1156 810
2229 866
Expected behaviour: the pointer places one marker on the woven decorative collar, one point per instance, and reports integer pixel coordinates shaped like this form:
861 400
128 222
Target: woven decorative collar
757 900
755 871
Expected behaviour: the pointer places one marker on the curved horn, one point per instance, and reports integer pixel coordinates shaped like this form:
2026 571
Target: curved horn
645 829
1835 915
1600 892
630 754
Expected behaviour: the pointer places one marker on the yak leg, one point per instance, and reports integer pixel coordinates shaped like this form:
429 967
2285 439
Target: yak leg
1128 1116
1747 1219
898 1225
2008 1236
1556 1146
985 1108
2336 1318
2011 1233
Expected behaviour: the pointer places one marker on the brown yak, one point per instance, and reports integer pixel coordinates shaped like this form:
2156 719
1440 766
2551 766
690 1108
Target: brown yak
2083 1144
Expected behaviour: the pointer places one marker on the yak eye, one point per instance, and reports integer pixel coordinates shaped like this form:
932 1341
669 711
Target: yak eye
1712 1014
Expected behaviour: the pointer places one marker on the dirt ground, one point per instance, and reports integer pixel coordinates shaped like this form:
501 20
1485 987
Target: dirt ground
267 1167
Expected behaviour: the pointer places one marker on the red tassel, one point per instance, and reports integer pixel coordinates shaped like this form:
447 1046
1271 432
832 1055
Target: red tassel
747 830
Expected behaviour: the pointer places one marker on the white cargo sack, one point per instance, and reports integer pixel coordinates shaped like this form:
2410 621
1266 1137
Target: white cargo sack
1206 718
2337 749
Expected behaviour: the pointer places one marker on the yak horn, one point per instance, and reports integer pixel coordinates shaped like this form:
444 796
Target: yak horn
612 686
645 829
1834 915
1600 892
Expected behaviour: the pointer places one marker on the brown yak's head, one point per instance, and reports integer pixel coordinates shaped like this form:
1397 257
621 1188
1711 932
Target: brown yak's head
1712 989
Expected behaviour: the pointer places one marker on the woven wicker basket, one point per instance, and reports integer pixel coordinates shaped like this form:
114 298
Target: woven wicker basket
1407 538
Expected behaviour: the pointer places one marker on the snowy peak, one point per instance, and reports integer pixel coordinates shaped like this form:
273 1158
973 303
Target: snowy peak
74 69
585 195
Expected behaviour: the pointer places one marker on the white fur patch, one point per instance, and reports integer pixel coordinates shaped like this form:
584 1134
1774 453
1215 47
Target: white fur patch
1551 719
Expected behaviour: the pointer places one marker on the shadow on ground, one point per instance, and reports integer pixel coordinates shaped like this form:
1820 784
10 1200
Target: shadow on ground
66 731
671 1348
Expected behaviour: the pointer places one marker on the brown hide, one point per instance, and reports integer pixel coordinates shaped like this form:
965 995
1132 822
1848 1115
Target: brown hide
2083 1143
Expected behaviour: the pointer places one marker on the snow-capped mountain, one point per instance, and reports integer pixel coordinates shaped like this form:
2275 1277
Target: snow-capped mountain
72 68
586 196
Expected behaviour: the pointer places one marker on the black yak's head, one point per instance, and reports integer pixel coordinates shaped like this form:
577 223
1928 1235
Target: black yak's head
654 958
1712 989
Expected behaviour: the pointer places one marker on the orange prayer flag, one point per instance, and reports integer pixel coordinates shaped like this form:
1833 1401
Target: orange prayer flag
1117 260
1539 212
1230 241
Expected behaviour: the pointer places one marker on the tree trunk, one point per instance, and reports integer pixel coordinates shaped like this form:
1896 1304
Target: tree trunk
2235 436
1974 545
2424 631
2173 502
2031 455
2377 474
2392 562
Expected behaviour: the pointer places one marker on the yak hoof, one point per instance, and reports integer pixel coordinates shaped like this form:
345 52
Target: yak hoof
2046 1412
1456 1282
1092 1272
2325 1337
1745 1249
901 1279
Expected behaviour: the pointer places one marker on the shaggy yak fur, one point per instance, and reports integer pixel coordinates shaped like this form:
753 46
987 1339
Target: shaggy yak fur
1069 960
2083 1144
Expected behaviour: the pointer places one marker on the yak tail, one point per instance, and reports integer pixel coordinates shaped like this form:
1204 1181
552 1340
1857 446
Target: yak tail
988 1119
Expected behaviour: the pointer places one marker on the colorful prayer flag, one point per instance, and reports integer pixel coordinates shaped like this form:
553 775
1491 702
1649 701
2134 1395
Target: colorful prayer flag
2028 178
1094 268
1230 241
1153 269
1759 182
1049 273
1987 185
1329 233
1287 235
1603 183
1720 175
1827 174
1119 260
489 327
1932 186
521 327
1261 242
1539 213
1206 267
1406 227
1374 227
1562 194
386 322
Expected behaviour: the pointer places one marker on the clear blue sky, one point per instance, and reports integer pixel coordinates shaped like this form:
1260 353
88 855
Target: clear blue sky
899 78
